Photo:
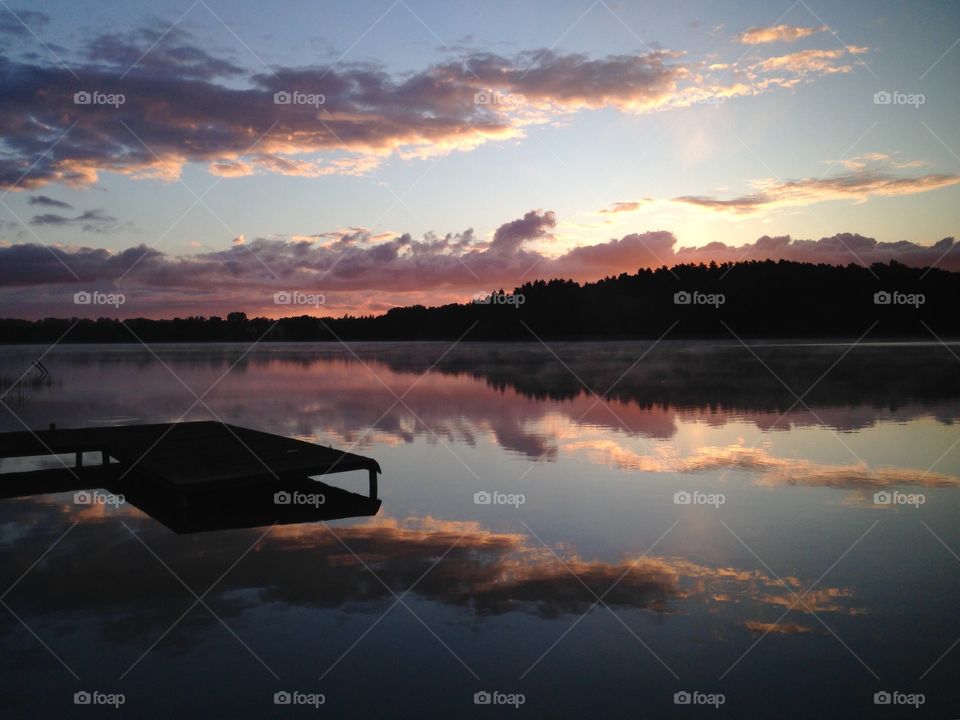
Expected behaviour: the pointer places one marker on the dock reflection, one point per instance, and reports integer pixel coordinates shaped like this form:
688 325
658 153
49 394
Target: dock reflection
269 501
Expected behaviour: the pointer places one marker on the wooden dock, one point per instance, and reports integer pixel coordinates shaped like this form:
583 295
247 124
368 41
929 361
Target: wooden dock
195 476
190 455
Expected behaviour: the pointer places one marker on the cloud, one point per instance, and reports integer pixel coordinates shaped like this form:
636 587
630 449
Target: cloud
364 272
534 225
807 62
175 111
548 79
859 185
875 160
95 221
22 23
182 104
624 207
172 50
40 265
777 33
649 249
782 628
839 249
353 261
46 201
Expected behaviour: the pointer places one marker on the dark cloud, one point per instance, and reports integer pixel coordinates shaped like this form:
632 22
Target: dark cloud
183 104
45 201
96 221
20 23
510 236
33 264
170 51
624 81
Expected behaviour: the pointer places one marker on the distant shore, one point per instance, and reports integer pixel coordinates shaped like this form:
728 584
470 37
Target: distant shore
756 299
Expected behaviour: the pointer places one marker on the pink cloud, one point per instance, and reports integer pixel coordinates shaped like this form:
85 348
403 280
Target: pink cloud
358 272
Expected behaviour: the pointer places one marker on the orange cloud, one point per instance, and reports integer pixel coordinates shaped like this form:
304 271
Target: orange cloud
625 207
805 62
777 33
857 185
782 628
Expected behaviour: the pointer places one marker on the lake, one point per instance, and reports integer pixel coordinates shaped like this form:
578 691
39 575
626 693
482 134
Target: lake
574 529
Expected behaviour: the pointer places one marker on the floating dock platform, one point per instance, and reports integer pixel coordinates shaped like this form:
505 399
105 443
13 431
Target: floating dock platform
191 455
193 476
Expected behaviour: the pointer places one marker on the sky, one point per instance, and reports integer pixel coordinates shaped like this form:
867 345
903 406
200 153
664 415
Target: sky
195 158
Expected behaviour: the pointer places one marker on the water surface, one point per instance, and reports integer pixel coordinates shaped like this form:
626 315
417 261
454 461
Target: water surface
788 583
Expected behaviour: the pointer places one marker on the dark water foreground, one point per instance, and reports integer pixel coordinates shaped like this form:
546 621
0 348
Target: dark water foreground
771 532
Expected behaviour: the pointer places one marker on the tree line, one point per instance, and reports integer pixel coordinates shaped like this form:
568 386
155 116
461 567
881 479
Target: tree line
755 299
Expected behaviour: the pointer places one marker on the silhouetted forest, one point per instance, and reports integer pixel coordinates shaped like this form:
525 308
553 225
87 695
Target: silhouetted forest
772 299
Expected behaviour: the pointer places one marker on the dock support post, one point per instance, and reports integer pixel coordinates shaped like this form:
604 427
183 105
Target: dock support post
104 457
373 484
79 462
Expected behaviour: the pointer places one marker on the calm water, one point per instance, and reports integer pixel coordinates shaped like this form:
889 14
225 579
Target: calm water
589 586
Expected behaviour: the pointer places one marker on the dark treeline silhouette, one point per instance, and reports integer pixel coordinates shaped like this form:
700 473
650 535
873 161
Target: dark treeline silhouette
754 299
